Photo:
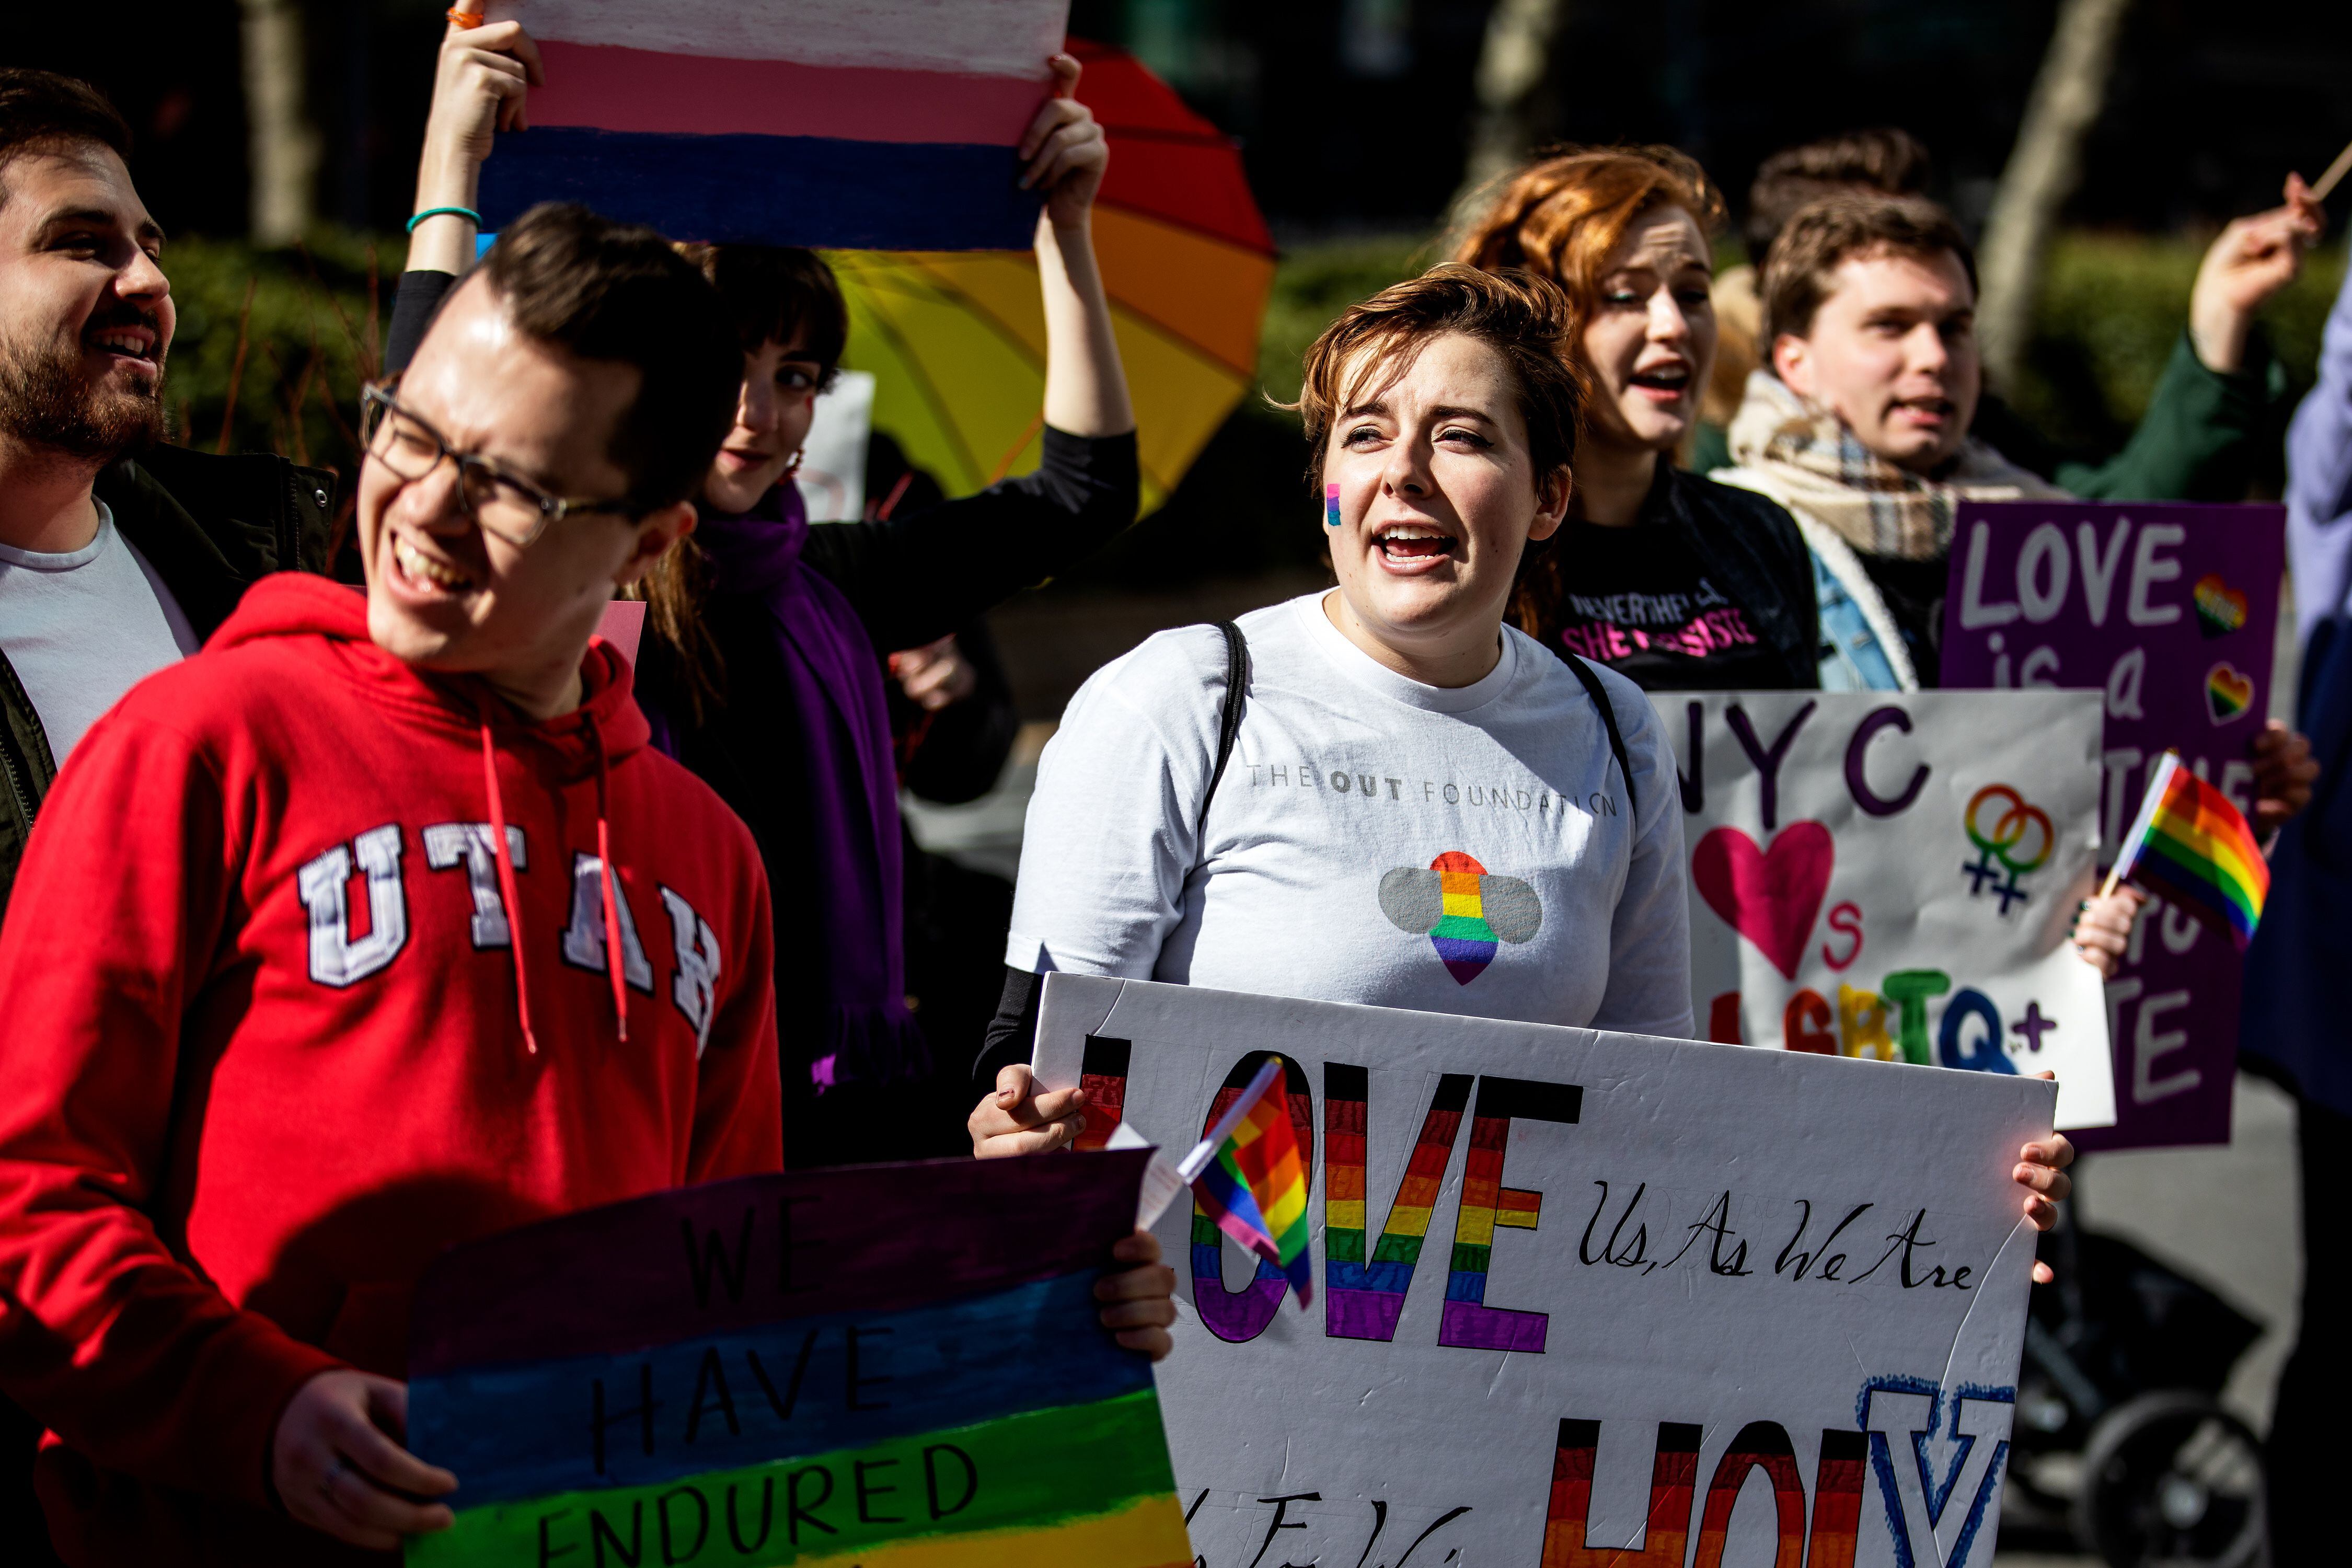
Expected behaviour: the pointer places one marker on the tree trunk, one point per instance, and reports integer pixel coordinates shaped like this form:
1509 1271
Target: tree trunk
282 146
2043 171
1512 66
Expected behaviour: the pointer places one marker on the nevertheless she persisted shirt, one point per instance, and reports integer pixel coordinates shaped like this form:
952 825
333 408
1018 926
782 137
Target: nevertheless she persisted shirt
1641 601
1709 589
1467 850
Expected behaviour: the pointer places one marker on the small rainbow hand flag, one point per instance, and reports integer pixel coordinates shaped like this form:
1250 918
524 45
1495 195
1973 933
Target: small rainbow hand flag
2189 844
1250 1179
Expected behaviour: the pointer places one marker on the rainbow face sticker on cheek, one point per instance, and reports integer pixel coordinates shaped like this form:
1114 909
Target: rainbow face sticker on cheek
1330 506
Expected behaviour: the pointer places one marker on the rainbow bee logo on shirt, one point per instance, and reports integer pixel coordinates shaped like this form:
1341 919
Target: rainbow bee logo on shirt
1463 910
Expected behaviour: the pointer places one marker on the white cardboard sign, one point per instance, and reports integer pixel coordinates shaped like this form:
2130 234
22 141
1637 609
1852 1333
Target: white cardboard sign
1575 1290
1893 875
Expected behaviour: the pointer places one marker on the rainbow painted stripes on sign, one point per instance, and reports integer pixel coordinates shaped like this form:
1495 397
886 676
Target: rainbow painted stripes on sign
1367 1294
1249 1177
1674 1484
896 1367
2189 844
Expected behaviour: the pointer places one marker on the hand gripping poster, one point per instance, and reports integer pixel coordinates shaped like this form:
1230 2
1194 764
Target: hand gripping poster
2170 614
1895 876
1579 1298
897 1366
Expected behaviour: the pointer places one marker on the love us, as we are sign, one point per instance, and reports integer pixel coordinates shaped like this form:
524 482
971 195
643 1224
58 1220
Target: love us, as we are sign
1894 875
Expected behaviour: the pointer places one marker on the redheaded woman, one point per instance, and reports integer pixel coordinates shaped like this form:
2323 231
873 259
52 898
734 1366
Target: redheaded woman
1669 578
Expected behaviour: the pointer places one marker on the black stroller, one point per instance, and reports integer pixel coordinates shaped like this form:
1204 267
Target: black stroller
2119 1439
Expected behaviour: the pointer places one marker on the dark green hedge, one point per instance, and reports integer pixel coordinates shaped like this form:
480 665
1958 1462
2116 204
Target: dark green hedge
2110 309
309 335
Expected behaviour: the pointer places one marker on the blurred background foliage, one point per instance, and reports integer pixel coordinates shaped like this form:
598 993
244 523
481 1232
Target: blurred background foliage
2111 307
272 345
2204 109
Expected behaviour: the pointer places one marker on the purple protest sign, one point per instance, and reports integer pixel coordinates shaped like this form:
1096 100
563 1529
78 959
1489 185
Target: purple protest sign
2171 611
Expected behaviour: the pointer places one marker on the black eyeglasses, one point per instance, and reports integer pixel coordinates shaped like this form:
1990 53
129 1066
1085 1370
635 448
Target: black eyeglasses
506 504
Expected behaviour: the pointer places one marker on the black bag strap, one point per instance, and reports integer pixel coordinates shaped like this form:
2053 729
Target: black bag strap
1229 719
1584 673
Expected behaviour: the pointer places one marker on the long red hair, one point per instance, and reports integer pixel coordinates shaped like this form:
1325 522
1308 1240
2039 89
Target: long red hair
1562 217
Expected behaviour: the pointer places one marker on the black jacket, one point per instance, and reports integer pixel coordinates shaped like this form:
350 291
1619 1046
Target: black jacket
211 527
1753 543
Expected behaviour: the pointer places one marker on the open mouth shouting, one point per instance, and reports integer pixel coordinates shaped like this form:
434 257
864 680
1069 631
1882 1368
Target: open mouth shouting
125 337
736 459
1666 382
1412 546
422 576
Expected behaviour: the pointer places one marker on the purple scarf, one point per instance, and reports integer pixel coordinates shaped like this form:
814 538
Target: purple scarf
833 695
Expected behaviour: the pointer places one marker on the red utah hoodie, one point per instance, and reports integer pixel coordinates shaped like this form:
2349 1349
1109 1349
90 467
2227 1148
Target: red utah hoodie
277 1024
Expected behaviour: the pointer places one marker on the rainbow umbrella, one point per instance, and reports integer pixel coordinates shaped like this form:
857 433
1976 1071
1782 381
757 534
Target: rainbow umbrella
956 340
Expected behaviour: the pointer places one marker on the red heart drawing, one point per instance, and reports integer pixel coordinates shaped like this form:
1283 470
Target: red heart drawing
1771 897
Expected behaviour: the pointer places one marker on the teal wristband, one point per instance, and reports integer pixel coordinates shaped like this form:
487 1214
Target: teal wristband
467 213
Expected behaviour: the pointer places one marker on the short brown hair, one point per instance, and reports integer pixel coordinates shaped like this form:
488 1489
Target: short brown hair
1796 274
1562 217
774 290
42 111
1523 318
618 292
1890 161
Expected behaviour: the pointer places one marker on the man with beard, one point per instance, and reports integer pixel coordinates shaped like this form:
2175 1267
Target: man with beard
111 565
117 554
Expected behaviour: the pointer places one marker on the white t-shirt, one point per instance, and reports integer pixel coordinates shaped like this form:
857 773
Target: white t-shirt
1461 850
83 627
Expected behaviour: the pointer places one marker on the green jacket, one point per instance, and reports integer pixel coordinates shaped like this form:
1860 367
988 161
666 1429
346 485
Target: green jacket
211 527
2197 441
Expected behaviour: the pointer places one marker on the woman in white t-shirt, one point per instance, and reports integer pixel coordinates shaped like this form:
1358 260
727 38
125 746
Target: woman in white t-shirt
1421 808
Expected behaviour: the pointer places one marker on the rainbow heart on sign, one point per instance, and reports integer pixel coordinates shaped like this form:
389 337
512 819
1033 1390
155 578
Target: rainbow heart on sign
2228 694
2221 610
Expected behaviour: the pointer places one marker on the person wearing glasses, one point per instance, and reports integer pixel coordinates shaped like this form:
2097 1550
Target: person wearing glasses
325 949
762 666
377 926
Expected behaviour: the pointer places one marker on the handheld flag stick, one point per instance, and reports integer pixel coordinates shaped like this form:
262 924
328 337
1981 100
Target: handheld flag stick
2193 846
2336 173
2127 851
1249 1178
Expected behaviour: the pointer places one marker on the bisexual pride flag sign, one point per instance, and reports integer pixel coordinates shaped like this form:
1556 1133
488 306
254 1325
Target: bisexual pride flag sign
867 124
897 1366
